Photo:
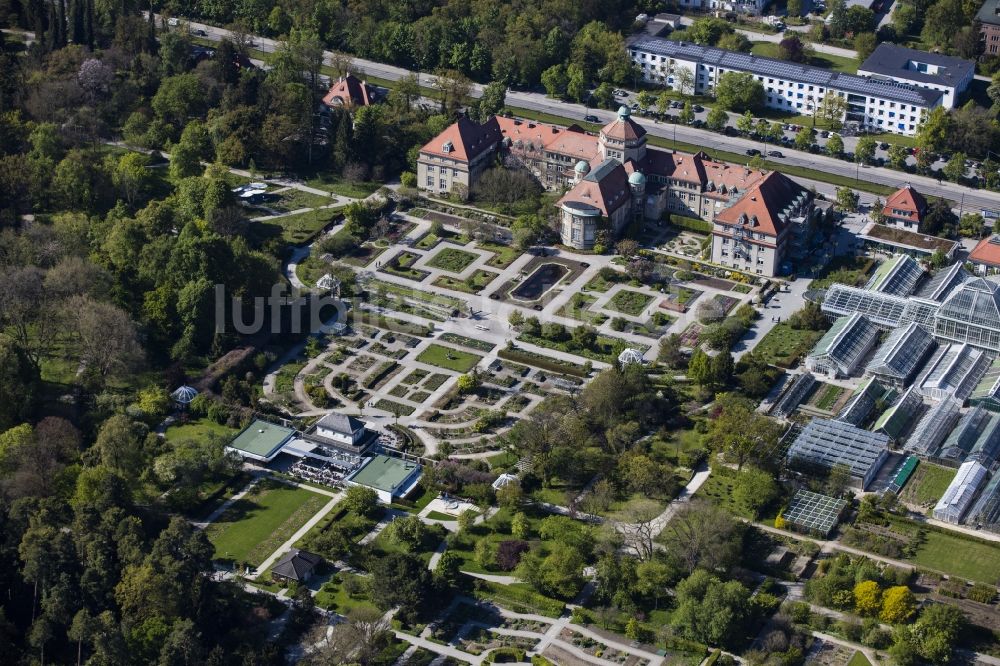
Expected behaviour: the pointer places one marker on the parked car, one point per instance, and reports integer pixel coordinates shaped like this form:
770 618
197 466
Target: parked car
635 106
173 22
883 146
753 152
824 134
698 108
815 148
675 104
775 153
731 131
591 119
199 32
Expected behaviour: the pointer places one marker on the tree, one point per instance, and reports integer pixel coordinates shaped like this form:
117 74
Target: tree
604 96
847 199
555 80
576 85
684 80
700 368
361 500
708 31
897 156
739 91
401 580
645 99
745 122
735 41
867 597
520 526
898 605
803 140
794 8
943 20
932 134
743 434
492 101
971 225
559 574
453 89
652 578
954 168
467 383
670 353
935 632
703 535
710 611
717 119
831 111
663 102
793 49
753 490
864 44
106 338
864 152
835 145
686 116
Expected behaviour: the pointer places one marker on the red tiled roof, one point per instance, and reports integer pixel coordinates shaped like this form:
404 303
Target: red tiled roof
906 199
465 140
623 129
349 91
606 188
571 140
987 252
764 201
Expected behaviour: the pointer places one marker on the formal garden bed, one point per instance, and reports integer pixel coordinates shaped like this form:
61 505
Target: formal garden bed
629 302
448 358
473 284
401 265
452 259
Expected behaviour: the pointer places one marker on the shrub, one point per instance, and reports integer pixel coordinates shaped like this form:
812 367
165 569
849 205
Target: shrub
982 593
691 224
509 553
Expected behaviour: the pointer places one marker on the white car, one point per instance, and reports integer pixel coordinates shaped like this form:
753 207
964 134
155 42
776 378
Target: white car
173 22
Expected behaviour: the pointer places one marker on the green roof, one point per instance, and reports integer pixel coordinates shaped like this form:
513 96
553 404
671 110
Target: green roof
384 473
261 438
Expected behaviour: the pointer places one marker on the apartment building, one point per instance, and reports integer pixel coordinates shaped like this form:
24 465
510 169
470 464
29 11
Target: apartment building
989 26
948 75
878 104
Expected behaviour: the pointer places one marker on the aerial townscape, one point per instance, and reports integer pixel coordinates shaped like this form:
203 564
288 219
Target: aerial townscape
621 333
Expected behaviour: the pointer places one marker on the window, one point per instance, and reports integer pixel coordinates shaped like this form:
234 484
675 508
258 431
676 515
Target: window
430 181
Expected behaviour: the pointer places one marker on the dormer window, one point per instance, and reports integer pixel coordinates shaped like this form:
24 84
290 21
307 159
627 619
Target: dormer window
447 147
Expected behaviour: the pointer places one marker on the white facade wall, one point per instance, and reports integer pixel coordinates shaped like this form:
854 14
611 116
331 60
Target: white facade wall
784 94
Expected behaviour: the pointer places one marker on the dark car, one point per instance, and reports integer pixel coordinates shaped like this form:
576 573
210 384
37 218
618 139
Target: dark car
815 148
775 153
824 134
730 131
698 123
883 146
753 152
199 32
592 119
698 108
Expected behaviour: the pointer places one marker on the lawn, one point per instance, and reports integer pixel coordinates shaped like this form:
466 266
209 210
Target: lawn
332 596
783 346
393 407
823 60
448 358
430 240
829 396
600 283
199 430
293 199
927 484
256 525
859 659
335 184
578 307
297 229
473 284
503 255
402 266
437 515
452 259
630 302
502 460
471 343
956 555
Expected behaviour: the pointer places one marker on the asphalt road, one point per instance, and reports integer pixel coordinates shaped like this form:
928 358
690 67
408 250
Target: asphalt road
967 198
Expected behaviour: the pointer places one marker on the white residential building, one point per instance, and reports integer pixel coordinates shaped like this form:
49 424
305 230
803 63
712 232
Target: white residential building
947 74
878 104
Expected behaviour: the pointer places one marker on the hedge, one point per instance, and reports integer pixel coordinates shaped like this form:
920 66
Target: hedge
690 223
490 591
538 361
506 655
381 374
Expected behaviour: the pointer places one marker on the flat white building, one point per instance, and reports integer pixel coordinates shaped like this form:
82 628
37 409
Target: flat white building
874 103
947 74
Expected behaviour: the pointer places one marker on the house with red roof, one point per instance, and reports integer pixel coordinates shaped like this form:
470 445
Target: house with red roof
349 92
985 258
458 155
755 234
905 208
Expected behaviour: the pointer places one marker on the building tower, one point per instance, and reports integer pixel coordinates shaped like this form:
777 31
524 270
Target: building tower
637 184
622 139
